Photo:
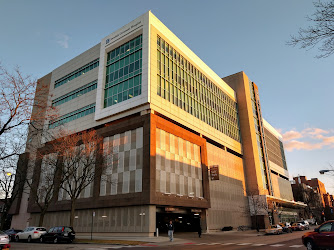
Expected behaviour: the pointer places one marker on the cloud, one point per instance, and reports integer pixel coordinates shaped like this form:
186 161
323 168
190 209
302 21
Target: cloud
62 40
290 135
292 145
308 139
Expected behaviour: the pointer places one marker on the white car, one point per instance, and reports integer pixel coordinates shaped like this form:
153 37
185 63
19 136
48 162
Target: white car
4 239
274 229
31 233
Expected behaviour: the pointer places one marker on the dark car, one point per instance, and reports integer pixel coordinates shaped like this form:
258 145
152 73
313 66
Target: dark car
12 233
58 234
322 237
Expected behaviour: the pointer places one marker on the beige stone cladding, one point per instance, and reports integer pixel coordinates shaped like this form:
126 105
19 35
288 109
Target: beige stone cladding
229 203
124 163
72 85
178 166
129 31
277 162
282 187
172 111
96 96
240 83
119 220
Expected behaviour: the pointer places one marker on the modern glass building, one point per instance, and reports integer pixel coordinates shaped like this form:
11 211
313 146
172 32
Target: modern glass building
191 146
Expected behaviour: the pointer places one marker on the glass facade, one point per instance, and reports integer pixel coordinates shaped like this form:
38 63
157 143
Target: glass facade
77 73
259 139
184 85
73 115
75 93
123 72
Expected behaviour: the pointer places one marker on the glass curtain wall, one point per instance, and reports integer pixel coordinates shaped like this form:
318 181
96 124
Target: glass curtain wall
184 85
123 72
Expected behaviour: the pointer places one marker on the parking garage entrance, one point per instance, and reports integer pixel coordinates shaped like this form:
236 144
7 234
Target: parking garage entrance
184 219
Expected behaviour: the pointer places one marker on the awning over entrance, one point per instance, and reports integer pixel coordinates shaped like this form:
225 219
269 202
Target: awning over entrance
293 204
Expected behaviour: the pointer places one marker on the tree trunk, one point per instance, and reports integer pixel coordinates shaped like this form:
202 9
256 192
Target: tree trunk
41 218
72 212
3 220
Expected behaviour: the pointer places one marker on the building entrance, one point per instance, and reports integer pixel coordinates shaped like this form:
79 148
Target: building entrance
183 219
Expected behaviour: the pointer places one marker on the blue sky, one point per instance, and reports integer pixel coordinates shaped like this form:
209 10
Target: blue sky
229 36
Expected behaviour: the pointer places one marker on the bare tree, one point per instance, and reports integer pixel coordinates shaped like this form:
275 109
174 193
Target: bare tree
82 156
10 181
321 32
258 206
49 177
17 100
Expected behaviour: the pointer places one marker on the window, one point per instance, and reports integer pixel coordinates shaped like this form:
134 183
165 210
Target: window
179 82
75 93
73 116
77 73
326 228
123 72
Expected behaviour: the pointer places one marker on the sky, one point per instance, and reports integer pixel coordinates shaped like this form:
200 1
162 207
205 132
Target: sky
296 89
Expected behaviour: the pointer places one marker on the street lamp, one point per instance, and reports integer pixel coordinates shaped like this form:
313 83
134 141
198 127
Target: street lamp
325 171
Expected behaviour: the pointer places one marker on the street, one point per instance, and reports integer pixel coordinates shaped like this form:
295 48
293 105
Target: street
219 240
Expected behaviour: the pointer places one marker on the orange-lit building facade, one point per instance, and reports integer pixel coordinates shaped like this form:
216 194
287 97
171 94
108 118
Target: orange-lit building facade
192 146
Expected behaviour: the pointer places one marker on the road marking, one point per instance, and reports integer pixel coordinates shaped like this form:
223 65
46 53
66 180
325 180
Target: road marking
211 244
258 245
296 246
228 243
277 245
244 244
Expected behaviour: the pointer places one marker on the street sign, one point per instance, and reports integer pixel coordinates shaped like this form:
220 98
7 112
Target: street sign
214 172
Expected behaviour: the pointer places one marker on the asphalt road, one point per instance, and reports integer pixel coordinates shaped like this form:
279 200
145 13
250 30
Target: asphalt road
190 241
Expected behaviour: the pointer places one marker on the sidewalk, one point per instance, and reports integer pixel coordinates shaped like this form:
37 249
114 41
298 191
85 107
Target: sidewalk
179 238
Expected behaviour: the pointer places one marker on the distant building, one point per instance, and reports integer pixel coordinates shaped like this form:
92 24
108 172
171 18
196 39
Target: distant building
313 193
317 185
192 146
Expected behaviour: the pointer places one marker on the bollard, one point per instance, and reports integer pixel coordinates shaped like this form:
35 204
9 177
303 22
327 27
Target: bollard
157 232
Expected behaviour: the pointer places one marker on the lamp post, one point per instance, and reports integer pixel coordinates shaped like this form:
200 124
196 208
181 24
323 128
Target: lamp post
142 214
91 229
325 171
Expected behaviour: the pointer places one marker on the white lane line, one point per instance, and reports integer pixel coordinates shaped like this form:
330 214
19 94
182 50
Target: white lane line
258 245
211 244
225 244
296 246
244 244
277 245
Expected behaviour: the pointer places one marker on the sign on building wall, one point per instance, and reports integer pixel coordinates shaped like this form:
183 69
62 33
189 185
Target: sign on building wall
214 172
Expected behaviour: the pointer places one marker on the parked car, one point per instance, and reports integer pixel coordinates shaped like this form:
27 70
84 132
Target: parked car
30 234
12 233
58 234
297 226
311 221
4 240
305 224
274 229
321 237
286 227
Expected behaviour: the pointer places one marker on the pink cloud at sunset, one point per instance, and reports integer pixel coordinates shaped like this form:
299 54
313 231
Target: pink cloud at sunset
308 139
